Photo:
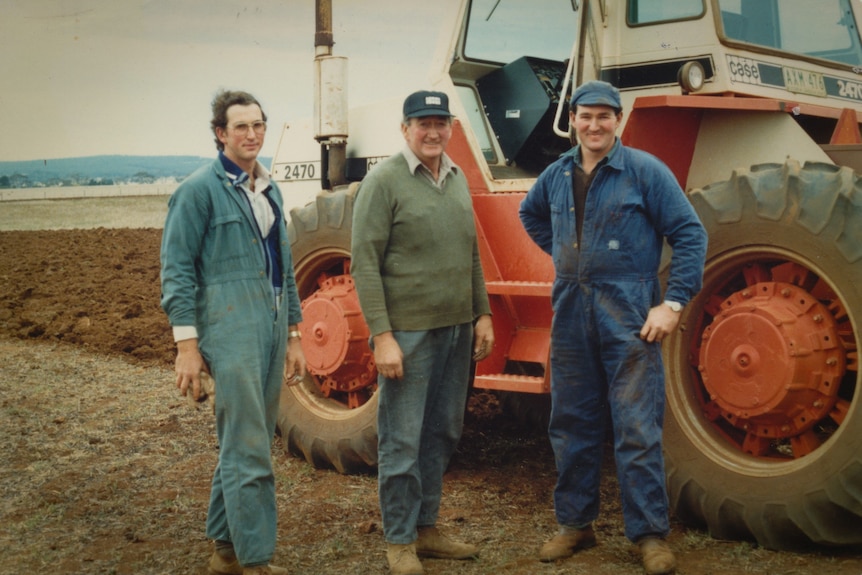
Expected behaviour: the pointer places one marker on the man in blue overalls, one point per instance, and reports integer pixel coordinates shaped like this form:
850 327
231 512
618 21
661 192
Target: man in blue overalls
229 291
602 210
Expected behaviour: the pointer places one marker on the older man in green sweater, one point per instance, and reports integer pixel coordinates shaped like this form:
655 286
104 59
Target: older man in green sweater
415 262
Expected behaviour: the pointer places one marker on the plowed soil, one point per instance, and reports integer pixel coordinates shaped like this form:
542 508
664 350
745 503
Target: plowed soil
105 469
97 289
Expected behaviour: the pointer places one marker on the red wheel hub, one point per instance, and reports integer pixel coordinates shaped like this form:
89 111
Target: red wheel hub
772 360
335 339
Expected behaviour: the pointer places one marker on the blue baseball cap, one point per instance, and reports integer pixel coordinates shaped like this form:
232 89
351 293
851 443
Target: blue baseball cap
596 93
425 103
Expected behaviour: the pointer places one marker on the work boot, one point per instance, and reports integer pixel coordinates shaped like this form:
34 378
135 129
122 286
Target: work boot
221 566
403 560
658 559
566 542
432 543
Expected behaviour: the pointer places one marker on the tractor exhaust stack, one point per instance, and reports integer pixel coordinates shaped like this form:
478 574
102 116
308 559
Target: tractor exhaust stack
330 100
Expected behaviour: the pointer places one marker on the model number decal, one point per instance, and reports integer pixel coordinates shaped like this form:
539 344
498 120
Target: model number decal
850 89
298 171
311 170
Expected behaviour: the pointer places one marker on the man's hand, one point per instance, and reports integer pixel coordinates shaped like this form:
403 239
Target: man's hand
188 366
294 364
660 322
483 338
388 356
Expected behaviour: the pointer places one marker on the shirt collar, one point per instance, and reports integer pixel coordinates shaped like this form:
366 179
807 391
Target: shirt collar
609 158
240 177
414 163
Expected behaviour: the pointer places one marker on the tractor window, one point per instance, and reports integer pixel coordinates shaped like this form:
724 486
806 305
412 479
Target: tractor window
824 29
476 118
652 11
504 30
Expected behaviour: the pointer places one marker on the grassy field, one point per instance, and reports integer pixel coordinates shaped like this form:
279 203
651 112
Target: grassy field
84 213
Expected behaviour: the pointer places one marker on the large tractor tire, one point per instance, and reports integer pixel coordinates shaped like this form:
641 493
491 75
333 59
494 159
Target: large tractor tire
330 418
763 434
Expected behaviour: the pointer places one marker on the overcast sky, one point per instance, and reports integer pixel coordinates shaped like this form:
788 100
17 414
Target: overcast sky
136 77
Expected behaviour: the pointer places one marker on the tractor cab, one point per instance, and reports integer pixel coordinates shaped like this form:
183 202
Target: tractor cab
513 66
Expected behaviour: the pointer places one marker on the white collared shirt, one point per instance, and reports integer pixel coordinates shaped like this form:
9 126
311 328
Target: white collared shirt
414 163
260 205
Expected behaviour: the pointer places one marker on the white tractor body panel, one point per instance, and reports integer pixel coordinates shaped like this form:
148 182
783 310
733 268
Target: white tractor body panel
728 140
375 134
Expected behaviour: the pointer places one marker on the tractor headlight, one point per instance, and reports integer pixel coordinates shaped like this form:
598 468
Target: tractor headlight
691 77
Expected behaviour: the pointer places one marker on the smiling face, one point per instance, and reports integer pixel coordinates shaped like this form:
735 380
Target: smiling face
596 127
427 137
242 143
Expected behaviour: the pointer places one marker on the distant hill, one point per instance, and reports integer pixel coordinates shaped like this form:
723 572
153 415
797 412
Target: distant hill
95 170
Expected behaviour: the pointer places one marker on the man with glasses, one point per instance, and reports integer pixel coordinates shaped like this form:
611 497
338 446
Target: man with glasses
229 291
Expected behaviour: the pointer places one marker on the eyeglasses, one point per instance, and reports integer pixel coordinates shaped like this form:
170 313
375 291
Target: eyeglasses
259 128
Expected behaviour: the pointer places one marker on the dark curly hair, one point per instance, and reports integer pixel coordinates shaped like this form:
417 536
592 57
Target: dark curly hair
224 100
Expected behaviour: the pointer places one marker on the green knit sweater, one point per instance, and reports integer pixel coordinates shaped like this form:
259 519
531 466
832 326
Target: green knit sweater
415 256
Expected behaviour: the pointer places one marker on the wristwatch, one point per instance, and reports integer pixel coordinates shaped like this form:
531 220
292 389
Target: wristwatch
673 305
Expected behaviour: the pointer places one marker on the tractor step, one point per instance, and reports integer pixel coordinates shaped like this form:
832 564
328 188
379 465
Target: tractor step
510 382
522 288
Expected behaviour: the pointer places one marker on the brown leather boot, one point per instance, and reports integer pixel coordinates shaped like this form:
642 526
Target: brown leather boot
432 543
221 566
566 542
658 559
403 560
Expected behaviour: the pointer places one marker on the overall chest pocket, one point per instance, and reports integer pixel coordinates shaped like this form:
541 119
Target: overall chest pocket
231 247
625 244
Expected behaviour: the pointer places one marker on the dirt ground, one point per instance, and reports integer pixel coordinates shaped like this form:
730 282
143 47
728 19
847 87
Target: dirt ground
105 469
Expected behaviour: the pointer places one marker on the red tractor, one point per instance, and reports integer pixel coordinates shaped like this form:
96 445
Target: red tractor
753 104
